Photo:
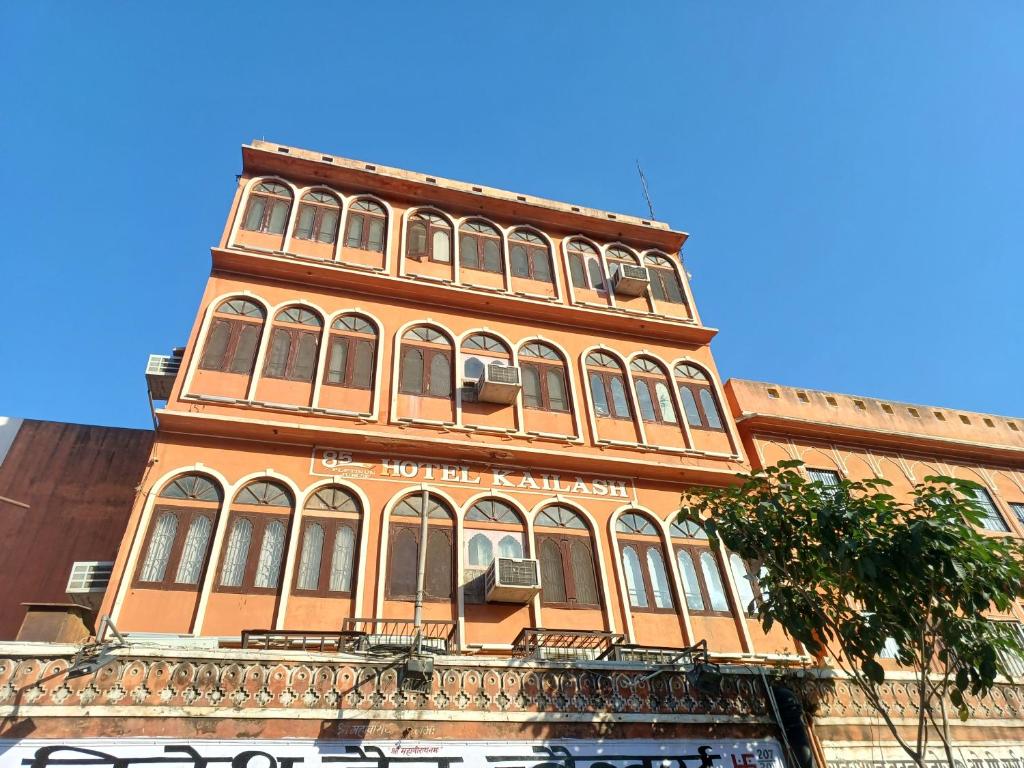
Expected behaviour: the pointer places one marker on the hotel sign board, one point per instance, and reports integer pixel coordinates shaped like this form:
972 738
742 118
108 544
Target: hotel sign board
251 753
327 462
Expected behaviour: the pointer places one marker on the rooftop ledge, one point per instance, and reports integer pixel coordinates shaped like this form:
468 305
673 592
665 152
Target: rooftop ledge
260 157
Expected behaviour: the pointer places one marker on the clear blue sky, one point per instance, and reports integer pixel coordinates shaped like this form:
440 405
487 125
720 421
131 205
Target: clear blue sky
852 174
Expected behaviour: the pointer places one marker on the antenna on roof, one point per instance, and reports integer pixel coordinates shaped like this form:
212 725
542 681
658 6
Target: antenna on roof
647 195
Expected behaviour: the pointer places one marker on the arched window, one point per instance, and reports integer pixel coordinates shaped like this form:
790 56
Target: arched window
233 337
747 586
607 387
269 205
585 269
330 528
699 403
352 353
429 237
257 532
616 256
493 528
294 342
643 563
698 569
529 256
366 226
544 379
177 545
480 247
404 549
425 366
318 217
665 284
479 351
652 392
568 575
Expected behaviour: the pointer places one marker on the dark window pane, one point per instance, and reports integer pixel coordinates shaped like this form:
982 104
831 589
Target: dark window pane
277 361
599 395
492 256
216 346
254 216
305 358
354 238
278 217
245 350
520 265
412 371
304 226
579 275
417 239
375 240
438 581
328 225
710 409
583 573
468 256
403 562
620 403
673 288
657 285
541 264
531 386
552 579
690 407
440 375
338 360
596 278
362 366
557 400
473 368
643 397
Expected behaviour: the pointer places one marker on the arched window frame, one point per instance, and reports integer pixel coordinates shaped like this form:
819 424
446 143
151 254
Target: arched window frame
318 217
585 267
483 348
494 518
335 509
690 376
190 499
638 532
405 521
616 254
665 279
268 207
530 256
570 540
432 223
252 503
649 373
545 362
240 321
296 329
352 338
481 246
366 225
692 540
436 344
604 370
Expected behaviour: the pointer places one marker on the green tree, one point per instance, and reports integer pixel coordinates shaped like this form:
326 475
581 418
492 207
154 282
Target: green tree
845 569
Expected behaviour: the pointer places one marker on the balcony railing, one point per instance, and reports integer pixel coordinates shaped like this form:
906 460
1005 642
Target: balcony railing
557 644
384 635
302 640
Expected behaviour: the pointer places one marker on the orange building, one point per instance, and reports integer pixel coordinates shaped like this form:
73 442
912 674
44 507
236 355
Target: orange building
374 343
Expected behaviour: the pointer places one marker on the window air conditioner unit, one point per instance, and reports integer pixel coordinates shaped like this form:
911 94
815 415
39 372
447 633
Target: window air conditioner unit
499 383
512 580
88 581
630 280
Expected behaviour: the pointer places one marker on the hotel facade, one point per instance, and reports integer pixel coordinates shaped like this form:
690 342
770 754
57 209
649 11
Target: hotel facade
373 344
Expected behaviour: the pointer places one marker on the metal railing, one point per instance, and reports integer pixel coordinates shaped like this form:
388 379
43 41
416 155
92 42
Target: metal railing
302 640
384 635
556 644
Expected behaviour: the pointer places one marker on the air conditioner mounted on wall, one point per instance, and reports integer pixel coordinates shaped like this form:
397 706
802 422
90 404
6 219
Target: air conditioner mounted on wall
499 383
512 580
629 280
88 581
